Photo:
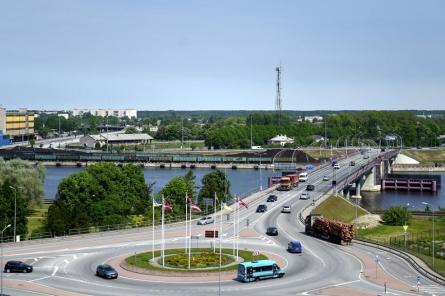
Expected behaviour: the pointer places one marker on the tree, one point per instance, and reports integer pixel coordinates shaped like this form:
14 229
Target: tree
131 130
175 192
396 216
26 178
103 194
215 182
7 206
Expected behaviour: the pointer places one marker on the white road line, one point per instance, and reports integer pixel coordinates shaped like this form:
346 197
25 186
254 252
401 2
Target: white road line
56 268
39 279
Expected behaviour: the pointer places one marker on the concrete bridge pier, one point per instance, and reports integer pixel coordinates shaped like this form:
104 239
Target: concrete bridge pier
370 181
357 190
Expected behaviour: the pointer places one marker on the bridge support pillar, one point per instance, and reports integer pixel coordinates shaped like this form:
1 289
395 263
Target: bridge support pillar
357 190
370 183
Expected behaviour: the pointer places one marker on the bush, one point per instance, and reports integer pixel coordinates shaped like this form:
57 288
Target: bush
396 216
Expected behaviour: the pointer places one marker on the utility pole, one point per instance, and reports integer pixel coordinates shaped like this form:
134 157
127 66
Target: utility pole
251 139
15 212
107 130
278 107
1 259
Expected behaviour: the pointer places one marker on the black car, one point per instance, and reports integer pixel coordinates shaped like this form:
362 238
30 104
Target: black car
272 231
261 209
310 187
17 266
106 271
272 198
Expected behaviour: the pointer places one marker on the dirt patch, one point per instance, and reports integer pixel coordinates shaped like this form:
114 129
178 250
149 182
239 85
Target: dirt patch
367 221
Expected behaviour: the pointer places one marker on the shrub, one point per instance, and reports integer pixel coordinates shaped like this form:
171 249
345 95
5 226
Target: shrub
396 216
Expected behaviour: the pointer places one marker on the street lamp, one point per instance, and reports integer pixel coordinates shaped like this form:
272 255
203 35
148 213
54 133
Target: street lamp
1 260
432 214
15 211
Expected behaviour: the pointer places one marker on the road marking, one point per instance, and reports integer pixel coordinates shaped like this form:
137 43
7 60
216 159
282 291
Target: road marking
39 279
325 287
56 268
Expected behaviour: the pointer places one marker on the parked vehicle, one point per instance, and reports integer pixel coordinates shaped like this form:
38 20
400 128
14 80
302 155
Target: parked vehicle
304 195
250 271
303 177
286 210
272 198
325 178
310 187
330 230
261 209
17 266
106 271
294 247
206 220
285 184
272 231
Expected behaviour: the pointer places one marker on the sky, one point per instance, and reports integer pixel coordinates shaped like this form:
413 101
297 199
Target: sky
221 54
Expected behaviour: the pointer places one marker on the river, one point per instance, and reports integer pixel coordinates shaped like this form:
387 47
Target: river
244 181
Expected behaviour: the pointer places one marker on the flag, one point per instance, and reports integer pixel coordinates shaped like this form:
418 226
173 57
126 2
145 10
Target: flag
195 208
241 202
167 206
156 204
225 207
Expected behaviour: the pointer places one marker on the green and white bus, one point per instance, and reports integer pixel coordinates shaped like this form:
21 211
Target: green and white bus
257 270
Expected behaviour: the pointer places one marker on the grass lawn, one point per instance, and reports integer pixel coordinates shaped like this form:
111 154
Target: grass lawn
36 217
324 153
142 260
426 155
337 208
384 232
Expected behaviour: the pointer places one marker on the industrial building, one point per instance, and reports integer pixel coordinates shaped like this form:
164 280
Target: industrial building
18 125
90 141
120 113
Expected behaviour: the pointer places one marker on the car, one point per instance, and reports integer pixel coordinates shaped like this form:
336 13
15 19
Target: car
272 198
272 231
206 220
310 187
17 266
294 246
325 178
334 162
286 209
336 166
352 163
106 271
366 156
304 195
261 209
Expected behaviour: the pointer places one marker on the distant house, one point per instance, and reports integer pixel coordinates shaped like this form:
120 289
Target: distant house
281 139
317 138
115 139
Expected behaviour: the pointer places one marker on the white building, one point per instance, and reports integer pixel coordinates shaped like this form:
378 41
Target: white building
120 113
281 139
90 141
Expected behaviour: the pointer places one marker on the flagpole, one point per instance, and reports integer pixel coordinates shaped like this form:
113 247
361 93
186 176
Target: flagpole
163 241
153 229
190 233
238 230
186 227
219 270
214 226
234 224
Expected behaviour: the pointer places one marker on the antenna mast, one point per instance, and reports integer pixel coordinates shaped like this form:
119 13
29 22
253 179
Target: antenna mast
278 108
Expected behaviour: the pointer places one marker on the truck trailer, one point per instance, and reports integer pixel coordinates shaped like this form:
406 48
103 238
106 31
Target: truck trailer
331 230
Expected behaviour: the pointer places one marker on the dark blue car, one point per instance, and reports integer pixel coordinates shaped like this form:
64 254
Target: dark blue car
294 247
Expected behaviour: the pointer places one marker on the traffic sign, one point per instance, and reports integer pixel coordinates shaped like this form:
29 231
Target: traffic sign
207 201
405 227
309 167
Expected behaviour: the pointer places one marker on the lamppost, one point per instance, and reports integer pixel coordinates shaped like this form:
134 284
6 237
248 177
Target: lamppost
432 214
15 211
1 260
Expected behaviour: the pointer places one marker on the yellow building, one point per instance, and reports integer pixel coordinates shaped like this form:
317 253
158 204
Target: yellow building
20 124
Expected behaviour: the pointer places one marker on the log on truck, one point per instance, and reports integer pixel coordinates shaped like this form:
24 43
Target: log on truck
331 230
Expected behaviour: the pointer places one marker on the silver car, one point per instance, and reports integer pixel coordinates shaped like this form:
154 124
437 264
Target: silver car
304 195
206 220
286 210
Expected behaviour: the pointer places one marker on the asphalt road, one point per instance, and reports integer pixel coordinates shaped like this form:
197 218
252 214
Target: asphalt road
69 264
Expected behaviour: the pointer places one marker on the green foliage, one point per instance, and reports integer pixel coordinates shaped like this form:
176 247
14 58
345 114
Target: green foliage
131 130
7 201
175 192
396 216
215 182
26 178
103 194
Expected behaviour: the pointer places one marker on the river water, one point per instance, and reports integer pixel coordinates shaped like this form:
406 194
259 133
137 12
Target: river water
245 181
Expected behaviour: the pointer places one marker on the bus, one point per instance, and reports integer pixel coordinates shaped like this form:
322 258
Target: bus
250 271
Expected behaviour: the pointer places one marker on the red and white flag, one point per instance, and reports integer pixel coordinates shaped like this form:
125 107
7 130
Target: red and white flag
195 208
167 206
241 202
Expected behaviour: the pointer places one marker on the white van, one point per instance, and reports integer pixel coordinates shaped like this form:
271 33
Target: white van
303 177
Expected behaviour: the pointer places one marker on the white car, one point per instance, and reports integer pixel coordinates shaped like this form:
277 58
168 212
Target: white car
286 210
325 178
336 166
304 195
206 220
